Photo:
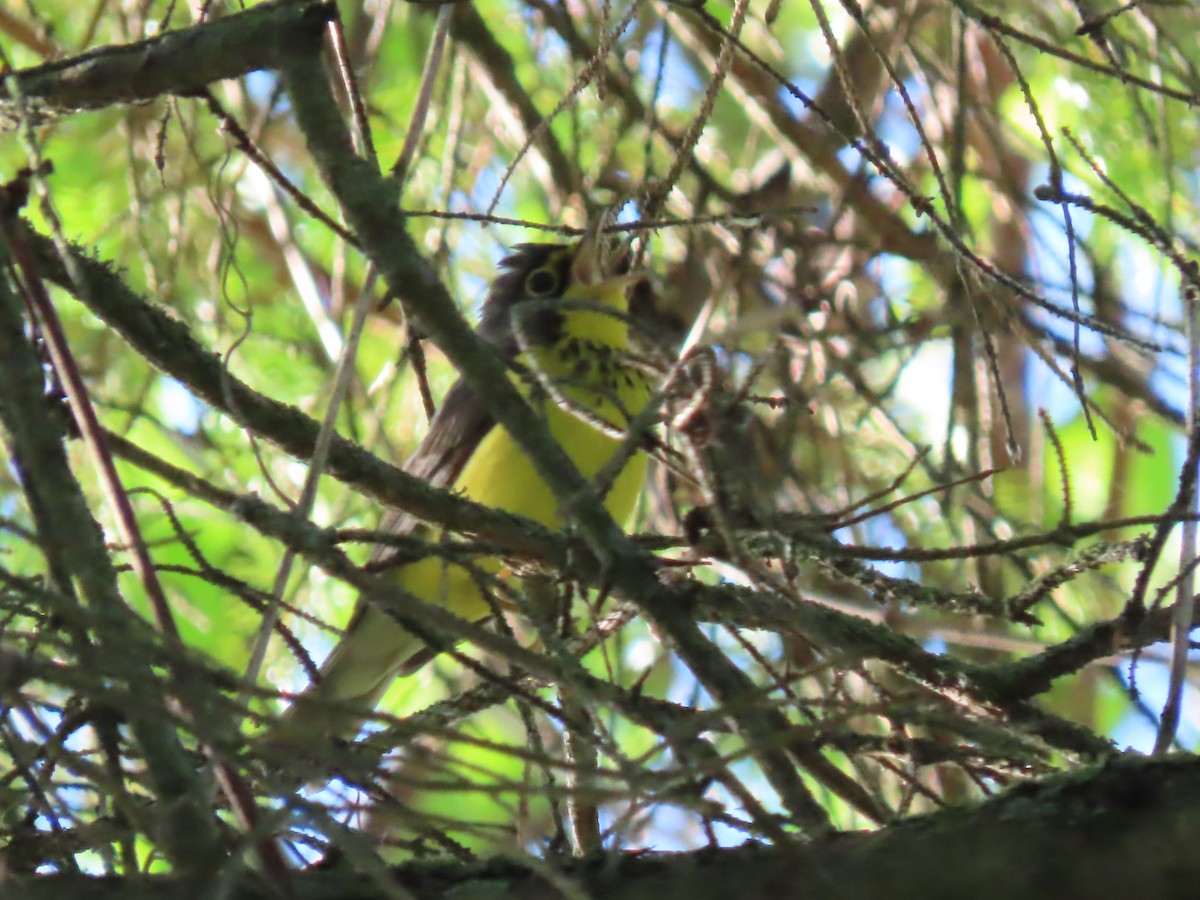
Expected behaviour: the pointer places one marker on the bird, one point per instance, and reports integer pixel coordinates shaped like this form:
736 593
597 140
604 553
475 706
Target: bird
561 323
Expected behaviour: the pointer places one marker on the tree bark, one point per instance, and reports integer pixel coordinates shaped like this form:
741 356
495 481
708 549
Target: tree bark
1123 829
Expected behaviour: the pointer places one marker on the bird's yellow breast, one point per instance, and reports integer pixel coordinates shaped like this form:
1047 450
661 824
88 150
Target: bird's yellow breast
585 422
586 391
583 384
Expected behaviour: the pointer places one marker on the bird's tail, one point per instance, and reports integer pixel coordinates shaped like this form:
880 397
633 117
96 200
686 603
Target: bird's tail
363 664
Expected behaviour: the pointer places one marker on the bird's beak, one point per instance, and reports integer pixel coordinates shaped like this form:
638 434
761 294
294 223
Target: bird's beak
598 256
595 254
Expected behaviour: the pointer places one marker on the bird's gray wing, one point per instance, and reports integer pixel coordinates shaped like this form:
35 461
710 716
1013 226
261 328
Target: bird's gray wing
457 429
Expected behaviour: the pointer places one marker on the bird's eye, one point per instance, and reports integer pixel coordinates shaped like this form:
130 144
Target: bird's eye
541 283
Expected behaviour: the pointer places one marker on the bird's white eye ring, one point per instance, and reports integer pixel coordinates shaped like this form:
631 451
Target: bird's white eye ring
541 283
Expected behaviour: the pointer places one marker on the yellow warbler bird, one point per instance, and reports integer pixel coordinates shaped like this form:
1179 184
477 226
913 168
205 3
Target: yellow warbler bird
561 323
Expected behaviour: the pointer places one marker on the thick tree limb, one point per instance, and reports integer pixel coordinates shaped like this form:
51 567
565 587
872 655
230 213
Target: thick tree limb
1122 830
176 63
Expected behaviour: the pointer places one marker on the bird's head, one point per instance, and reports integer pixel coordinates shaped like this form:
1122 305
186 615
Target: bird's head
586 273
